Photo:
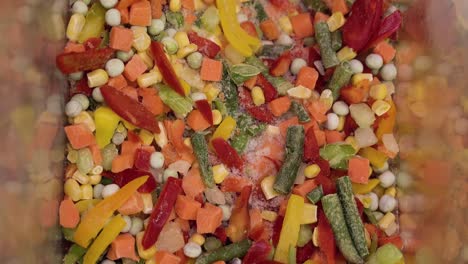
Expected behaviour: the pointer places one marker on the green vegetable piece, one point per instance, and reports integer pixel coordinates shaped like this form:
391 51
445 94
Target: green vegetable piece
210 18
340 78
387 254
374 243
94 25
254 61
239 143
231 98
242 72
281 85
246 128
108 153
309 41
336 40
212 243
293 156
292 254
273 51
68 233
323 37
200 147
315 195
334 213
160 36
75 253
305 233
220 106
176 19
85 162
105 39
299 110
179 104
337 154
106 181
226 253
316 5
261 14
352 218
370 215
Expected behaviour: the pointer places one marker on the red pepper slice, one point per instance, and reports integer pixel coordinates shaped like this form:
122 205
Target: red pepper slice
304 253
389 25
161 211
314 55
258 252
281 65
128 175
362 23
220 233
83 61
227 154
325 238
277 226
92 43
205 46
142 159
239 221
165 67
81 87
268 89
311 148
261 113
205 110
129 109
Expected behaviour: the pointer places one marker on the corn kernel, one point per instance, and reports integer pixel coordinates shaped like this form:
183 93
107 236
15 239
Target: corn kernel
72 189
386 220
352 141
366 201
182 39
197 239
75 26
97 78
300 92
267 187
220 173
147 203
217 117
141 39
146 58
365 188
346 53
146 137
98 169
144 253
285 25
257 96
175 5
150 78
72 156
380 107
86 192
80 177
199 5
211 92
309 215
185 86
187 50
121 128
269 215
311 171
341 123
95 179
391 191
188 142
315 237
86 119
378 91
335 21
357 78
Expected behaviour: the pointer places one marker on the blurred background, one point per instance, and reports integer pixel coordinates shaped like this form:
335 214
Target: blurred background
432 101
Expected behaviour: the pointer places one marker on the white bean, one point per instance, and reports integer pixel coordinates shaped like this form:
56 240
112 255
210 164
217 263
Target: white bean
157 160
113 17
356 66
374 201
82 99
79 7
109 190
388 72
297 65
137 226
108 3
387 179
285 40
387 203
374 61
340 108
192 250
332 121
226 211
115 67
73 108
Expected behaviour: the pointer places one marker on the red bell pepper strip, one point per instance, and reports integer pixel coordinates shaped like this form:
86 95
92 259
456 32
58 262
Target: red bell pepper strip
205 46
165 67
239 221
261 113
92 43
281 65
204 107
326 239
129 109
128 175
362 23
81 87
389 25
277 226
304 253
220 233
314 55
161 211
227 154
311 148
84 61
258 252
142 159
268 90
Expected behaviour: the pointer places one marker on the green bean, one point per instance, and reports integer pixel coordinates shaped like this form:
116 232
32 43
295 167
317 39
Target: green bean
299 110
246 128
293 156
261 14
108 153
340 78
200 147
336 40
85 162
370 215
323 37
231 98
75 253
212 243
352 218
220 106
68 233
316 5
273 51
315 195
226 253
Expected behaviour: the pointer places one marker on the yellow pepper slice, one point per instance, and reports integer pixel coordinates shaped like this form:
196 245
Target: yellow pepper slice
365 188
95 19
290 229
106 122
84 205
238 31
387 124
224 130
97 217
108 234
375 157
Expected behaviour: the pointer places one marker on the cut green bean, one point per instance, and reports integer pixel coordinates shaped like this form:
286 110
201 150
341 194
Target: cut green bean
226 253
293 156
340 78
246 128
323 37
200 148
315 195
370 215
68 233
273 51
334 213
261 14
231 98
336 40
75 253
299 110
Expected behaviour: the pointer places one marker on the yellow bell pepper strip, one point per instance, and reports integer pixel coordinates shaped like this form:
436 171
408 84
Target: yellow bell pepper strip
105 238
106 122
365 188
238 31
84 205
97 217
387 123
290 229
375 157
224 130
95 20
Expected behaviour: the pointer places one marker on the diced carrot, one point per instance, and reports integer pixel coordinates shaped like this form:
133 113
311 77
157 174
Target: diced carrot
334 136
358 170
192 183
249 27
311 123
124 16
320 17
69 214
175 131
152 101
234 184
271 148
281 66
118 82
320 137
149 149
255 218
188 4
122 162
250 83
196 121
133 205
156 9
186 208
269 29
121 38
317 110
302 25
165 257
307 77
208 218
304 188
184 224
96 152
74 47
211 70
134 68
123 246
189 18
280 105
140 14
125 3
283 126
355 94
385 50
79 136
337 6
170 154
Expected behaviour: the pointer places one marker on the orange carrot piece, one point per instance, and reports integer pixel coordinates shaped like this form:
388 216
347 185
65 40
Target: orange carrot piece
152 102
320 17
188 4
211 70
186 208
134 68
269 29
337 6
385 50
140 14
130 147
165 257
125 3
250 83
123 246
302 25
133 205
79 136
304 188
280 105
189 18
317 110
249 27
358 170
234 184
307 77
208 219
96 152
124 16
175 132
156 9
333 136
196 121
118 82
283 126
122 162
69 214
255 218
192 183
121 38
184 224
320 137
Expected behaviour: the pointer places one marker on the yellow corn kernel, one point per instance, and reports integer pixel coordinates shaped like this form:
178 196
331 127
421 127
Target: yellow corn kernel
175 5
187 50
341 123
380 107
357 78
326 97
128 126
147 203
391 191
144 253
224 130
197 239
310 214
257 96
220 173
185 86
365 188
352 141
386 220
95 179
311 171
188 142
72 189
86 119
72 156
300 92
182 39
378 91
269 215
141 39
146 137
285 25
379 190
97 78
150 78
86 192
199 5
211 92
121 128
146 58
75 26
80 177
346 53
366 201
267 187
217 117
315 237
335 21
375 157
